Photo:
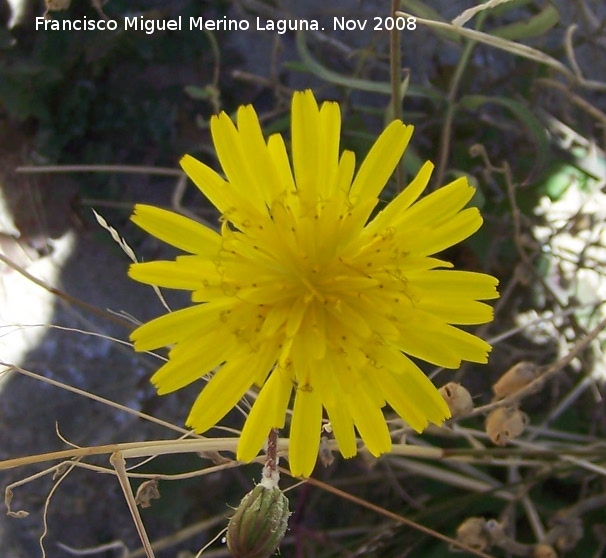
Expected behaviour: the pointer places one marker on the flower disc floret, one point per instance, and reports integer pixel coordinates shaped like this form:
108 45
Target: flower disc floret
305 294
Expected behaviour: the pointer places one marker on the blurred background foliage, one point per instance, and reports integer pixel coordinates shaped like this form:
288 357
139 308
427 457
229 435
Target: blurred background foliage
526 127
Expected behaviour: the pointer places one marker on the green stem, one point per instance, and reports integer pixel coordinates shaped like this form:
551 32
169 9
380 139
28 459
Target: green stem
451 105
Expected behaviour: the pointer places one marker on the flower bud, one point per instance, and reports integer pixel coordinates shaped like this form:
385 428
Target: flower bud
258 524
504 424
457 398
516 378
472 533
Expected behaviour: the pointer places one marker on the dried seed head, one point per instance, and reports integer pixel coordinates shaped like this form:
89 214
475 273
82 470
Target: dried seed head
570 533
472 533
543 551
504 424
516 378
258 524
325 455
457 398
147 492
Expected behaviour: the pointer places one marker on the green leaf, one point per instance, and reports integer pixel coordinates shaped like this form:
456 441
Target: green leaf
505 7
313 66
536 26
330 76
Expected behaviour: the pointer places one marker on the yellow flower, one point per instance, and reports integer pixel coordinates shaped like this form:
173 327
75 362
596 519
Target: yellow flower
304 291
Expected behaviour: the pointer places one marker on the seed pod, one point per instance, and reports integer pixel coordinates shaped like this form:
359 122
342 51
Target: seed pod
516 378
504 424
258 524
472 533
457 398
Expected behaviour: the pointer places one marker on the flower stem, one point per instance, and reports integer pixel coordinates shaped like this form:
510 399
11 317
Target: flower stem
271 475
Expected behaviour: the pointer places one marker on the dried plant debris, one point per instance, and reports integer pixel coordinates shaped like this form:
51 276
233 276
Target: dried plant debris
564 533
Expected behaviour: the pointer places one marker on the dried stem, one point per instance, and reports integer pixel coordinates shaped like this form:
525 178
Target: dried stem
119 464
396 80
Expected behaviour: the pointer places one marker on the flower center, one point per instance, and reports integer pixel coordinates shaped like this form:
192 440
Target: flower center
312 289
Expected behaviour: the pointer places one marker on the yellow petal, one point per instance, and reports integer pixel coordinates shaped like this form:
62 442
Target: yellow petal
305 432
457 311
234 206
193 361
376 312
370 422
343 429
181 232
172 327
412 395
305 131
269 411
394 212
350 318
220 395
345 172
263 361
419 337
328 147
208 182
441 284
313 332
441 204
235 159
381 161
337 409
165 274
279 156
261 167
449 233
